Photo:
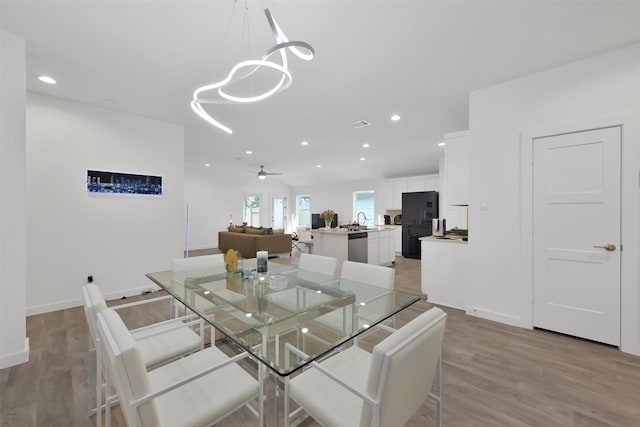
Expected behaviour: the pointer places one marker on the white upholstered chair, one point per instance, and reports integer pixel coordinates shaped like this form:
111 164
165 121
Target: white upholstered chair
317 264
158 343
383 388
370 274
197 390
215 262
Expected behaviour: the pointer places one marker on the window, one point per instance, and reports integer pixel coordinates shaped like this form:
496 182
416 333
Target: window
363 201
251 211
303 210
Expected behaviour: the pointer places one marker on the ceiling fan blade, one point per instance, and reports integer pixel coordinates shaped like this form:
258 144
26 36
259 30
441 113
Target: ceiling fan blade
273 173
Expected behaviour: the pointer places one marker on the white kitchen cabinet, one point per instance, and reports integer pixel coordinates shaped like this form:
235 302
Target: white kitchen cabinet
431 183
372 248
399 186
386 246
381 247
397 239
387 195
392 189
456 157
415 183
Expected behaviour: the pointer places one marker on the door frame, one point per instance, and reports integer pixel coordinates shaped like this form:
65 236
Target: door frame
629 213
282 196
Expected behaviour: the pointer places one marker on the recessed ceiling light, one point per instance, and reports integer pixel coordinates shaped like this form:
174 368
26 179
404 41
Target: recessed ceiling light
395 117
304 143
108 102
206 165
365 145
47 79
249 152
318 166
362 158
442 144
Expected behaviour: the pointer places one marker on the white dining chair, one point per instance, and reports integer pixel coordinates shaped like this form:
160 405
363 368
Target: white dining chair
310 263
197 390
371 274
214 262
158 343
381 389
340 320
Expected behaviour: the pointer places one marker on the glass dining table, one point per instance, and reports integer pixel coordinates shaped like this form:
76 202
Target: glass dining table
285 318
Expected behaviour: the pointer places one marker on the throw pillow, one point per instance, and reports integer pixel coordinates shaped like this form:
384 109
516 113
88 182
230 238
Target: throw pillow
235 229
255 231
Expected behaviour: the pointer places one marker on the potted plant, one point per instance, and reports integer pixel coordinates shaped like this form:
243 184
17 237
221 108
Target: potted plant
327 216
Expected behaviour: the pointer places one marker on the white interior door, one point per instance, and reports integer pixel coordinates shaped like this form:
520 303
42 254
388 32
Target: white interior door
278 211
576 239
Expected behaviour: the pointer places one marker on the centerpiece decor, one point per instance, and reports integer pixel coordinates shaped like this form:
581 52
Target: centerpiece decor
327 216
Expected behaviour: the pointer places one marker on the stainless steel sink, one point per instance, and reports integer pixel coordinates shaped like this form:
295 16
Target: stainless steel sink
357 228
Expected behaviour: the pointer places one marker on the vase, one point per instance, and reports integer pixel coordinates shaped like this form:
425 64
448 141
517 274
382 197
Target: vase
327 224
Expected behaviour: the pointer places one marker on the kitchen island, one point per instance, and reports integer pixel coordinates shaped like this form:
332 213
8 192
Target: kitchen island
373 246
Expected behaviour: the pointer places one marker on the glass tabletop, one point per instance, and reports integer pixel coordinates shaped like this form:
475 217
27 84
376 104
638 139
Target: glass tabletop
270 313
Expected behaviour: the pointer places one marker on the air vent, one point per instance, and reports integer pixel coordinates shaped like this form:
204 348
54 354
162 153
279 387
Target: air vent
361 124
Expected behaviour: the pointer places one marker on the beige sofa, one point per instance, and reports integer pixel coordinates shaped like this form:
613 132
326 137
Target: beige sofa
249 241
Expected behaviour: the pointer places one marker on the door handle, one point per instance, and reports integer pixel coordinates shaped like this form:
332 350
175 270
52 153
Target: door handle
609 247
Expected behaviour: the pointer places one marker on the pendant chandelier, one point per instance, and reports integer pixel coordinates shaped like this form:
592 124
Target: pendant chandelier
215 93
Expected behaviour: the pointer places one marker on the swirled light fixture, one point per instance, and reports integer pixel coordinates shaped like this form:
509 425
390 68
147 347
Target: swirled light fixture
245 69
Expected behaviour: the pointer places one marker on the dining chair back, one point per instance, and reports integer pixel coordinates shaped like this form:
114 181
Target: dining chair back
126 368
384 388
402 370
215 261
318 264
199 389
371 274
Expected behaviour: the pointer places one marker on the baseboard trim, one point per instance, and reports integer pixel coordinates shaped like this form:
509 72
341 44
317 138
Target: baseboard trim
496 317
16 358
63 305
430 301
54 306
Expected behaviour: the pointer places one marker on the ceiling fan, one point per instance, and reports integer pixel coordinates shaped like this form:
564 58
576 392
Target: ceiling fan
263 175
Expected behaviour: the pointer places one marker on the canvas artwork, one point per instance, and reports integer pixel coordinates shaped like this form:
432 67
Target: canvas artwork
123 183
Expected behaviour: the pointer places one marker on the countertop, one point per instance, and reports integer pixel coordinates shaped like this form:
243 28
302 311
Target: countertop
346 231
451 238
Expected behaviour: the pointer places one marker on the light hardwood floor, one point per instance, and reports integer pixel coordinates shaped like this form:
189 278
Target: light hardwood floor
493 374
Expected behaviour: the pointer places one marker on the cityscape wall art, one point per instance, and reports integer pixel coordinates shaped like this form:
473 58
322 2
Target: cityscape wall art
123 183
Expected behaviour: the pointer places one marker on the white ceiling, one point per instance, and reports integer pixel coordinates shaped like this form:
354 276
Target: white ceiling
419 59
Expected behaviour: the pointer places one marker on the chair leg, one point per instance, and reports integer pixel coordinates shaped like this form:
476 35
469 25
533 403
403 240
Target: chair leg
286 401
98 385
91 381
261 375
439 391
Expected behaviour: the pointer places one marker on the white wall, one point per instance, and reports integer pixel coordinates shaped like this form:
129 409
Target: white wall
216 192
589 89
14 346
71 233
339 197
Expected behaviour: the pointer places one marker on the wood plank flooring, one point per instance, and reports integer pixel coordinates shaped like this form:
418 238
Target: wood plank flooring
493 374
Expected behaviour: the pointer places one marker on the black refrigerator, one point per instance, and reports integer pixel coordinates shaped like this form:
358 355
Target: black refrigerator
418 211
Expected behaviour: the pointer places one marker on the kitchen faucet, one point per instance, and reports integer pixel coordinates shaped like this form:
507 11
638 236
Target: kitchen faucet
358 218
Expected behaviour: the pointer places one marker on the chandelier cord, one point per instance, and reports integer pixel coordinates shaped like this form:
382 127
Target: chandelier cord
225 38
